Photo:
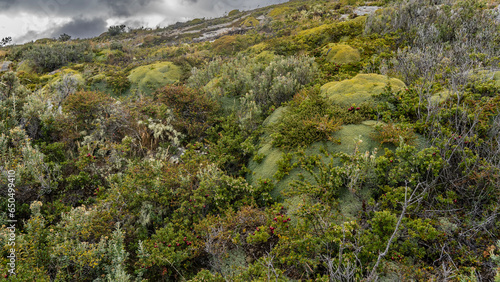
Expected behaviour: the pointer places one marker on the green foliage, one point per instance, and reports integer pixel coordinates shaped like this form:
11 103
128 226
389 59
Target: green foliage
250 22
271 85
322 34
305 122
116 30
193 112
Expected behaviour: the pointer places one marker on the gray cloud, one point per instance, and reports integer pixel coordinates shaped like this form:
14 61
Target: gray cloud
120 8
82 28
90 16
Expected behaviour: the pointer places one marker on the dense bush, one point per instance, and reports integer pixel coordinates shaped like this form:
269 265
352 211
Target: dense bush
193 111
50 57
271 85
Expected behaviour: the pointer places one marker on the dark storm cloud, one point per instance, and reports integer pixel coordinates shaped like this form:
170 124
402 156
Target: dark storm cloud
90 16
119 8
82 28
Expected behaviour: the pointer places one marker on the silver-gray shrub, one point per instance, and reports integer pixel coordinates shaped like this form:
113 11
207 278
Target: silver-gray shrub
272 83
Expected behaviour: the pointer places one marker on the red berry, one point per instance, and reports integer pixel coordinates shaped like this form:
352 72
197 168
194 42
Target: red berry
284 220
275 219
169 245
390 161
358 108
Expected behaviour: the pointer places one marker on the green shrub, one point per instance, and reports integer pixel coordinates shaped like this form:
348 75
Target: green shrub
193 111
50 57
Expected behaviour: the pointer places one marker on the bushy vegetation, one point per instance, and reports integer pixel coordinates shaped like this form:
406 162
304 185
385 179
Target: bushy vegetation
311 144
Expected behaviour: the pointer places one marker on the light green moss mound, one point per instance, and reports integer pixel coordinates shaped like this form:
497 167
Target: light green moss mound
341 54
346 136
146 79
359 89
250 22
51 79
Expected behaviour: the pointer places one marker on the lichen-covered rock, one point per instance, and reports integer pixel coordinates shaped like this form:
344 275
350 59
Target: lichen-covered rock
147 79
5 66
359 89
341 54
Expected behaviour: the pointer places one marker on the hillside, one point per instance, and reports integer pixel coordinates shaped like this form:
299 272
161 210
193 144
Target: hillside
308 141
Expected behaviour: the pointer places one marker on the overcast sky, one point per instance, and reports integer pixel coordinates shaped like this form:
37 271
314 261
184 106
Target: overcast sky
26 20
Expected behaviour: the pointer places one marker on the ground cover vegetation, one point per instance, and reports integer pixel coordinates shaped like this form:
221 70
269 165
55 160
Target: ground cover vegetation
308 141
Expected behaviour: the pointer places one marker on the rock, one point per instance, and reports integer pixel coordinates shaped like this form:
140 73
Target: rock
5 66
365 10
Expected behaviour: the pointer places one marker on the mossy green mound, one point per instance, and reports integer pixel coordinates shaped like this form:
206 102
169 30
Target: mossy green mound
250 22
146 79
341 54
359 89
51 79
346 137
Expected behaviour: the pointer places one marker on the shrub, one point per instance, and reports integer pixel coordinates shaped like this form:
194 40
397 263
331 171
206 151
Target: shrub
50 57
305 122
193 112
116 29
394 133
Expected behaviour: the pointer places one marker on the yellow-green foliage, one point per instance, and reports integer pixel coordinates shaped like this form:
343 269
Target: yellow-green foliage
257 48
148 78
25 66
265 57
250 22
333 32
233 13
279 11
359 89
3 53
103 55
315 30
225 44
50 80
440 96
341 54
195 21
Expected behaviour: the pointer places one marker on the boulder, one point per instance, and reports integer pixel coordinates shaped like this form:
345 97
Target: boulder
5 66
